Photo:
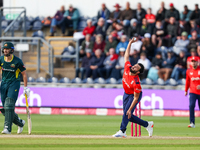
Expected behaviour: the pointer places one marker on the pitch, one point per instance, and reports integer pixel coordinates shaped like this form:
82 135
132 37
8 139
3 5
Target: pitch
95 132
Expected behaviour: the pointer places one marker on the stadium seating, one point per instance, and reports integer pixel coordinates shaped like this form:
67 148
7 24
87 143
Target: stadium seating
3 18
100 81
37 25
160 82
181 81
147 81
16 26
37 34
41 80
28 25
171 82
41 18
4 24
82 23
94 20
31 19
76 80
53 80
68 51
88 80
65 80
111 81
31 79
119 81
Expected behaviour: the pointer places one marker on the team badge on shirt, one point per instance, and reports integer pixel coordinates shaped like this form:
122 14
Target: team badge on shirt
1 64
137 81
12 65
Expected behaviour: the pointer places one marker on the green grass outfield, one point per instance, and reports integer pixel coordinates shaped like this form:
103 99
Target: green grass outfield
95 132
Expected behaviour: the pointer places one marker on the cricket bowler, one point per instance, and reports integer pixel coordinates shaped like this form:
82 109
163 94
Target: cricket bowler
12 67
132 95
193 82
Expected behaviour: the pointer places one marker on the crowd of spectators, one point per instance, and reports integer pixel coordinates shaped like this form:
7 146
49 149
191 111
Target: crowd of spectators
167 40
65 18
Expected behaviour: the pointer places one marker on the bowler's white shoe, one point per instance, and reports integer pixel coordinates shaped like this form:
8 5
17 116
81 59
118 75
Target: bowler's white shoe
150 128
120 134
20 129
5 131
191 125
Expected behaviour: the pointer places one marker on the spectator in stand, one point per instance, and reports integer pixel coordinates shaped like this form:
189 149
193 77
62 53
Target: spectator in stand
156 65
198 50
172 12
126 15
71 18
185 15
134 58
133 28
100 29
181 44
183 26
139 13
118 70
99 43
136 45
193 53
146 63
168 65
161 12
196 13
89 29
111 43
103 12
171 31
86 44
180 66
151 18
115 15
112 28
95 64
148 47
158 34
145 28
57 20
85 64
109 63
123 43
115 30
194 27
194 41
184 22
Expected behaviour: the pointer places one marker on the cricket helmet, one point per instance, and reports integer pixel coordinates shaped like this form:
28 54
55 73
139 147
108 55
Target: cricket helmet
8 45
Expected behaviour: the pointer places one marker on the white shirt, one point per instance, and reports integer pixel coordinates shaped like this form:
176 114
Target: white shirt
136 46
87 43
146 63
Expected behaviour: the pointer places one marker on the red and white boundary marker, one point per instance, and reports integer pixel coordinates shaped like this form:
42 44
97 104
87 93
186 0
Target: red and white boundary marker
102 111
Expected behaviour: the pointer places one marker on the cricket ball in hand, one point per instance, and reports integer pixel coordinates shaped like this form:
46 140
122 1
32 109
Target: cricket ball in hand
134 39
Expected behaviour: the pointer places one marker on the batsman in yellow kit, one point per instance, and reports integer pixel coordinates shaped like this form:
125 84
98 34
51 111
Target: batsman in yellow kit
12 68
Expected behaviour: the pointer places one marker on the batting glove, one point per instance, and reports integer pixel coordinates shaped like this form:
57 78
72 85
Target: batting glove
26 91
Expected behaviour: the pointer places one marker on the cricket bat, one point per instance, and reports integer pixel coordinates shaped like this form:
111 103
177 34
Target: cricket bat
28 116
